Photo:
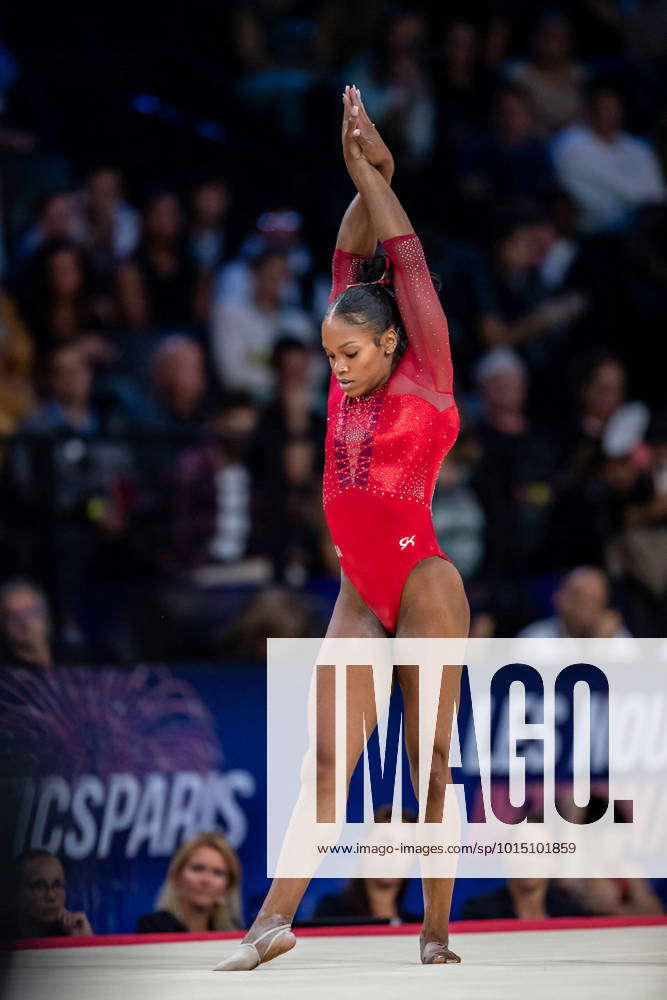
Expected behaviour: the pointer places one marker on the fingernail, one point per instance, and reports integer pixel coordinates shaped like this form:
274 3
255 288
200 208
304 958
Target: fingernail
356 132
355 110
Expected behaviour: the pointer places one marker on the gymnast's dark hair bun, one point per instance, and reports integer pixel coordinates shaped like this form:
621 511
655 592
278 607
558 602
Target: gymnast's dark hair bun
375 268
379 267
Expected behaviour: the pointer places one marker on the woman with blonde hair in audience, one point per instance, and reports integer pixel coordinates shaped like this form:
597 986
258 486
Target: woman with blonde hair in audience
202 890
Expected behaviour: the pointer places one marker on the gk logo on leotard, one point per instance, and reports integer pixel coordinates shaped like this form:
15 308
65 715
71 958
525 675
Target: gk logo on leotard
408 540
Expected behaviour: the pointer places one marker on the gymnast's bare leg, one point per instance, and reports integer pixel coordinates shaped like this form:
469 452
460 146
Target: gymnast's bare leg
433 605
270 934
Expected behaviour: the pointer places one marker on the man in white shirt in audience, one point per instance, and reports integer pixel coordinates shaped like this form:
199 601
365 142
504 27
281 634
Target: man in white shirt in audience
608 172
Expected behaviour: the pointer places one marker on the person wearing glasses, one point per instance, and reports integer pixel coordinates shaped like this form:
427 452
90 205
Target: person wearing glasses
40 898
25 626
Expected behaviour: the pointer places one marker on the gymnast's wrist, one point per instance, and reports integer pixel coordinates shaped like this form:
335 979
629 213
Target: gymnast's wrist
362 172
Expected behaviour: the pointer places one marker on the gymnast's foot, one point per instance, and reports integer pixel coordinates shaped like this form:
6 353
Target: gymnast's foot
268 937
434 951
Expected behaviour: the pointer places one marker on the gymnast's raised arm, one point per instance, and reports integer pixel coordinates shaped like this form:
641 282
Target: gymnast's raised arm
357 238
429 362
357 234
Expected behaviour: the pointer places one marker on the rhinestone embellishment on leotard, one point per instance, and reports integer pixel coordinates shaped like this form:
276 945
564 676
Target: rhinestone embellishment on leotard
353 437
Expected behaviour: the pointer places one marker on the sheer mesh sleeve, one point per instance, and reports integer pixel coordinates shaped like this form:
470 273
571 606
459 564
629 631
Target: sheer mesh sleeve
427 363
345 271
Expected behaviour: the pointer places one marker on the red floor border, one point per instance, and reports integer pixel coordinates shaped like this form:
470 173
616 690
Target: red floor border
456 927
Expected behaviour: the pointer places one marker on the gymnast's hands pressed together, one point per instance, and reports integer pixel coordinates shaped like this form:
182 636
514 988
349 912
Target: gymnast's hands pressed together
361 137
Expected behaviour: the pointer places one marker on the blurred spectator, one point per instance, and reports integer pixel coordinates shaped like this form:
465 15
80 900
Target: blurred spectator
172 416
582 610
607 896
17 396
59 218
482 626
589 512
280 231
511 478
517 291
551 78
112 226
25 639
396 88
67 402
461 87
261 37
458 516
287 461
205 536
176 405
559 243
602 393
159 286
373 898
276 612
202 890
609 172
73 491
497 40
511 162
522 312
468 292
59 305
637 553
178 383
570 262
274 41
614 897
40 899
370 898
523 899
604 473
207 231
208 505
243 335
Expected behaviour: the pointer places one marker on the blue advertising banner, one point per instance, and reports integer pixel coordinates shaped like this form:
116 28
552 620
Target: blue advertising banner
118 767
113 768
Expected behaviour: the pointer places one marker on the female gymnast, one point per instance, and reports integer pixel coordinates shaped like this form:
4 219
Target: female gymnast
392 419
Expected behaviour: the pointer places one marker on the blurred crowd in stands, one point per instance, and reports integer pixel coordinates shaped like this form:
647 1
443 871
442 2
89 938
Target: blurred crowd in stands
162 385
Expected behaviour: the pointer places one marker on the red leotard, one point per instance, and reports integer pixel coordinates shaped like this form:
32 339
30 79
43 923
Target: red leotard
384 450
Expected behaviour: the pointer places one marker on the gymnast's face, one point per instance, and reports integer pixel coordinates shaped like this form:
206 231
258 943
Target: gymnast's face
361 360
